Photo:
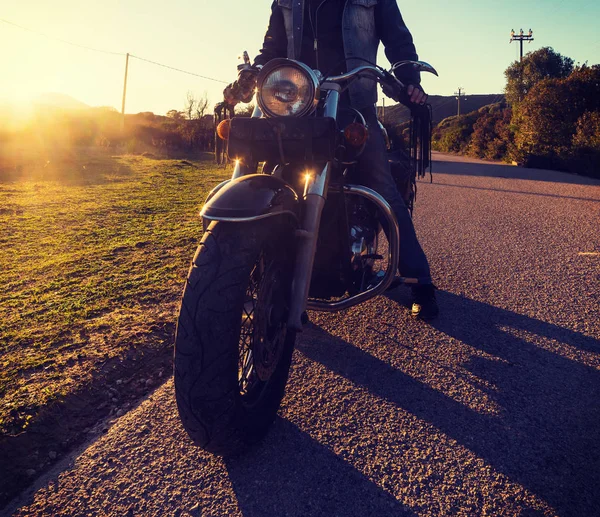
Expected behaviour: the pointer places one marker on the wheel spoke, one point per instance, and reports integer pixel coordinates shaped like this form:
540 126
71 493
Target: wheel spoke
260 335
248 328
246 370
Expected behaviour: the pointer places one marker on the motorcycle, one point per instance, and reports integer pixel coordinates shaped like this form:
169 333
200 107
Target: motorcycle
295 236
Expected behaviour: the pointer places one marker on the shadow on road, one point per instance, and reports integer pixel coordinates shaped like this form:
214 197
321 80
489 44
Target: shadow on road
546 434
292 474
455 165
528 193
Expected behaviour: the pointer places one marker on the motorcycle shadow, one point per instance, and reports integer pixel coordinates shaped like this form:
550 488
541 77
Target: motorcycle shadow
541 428
292 474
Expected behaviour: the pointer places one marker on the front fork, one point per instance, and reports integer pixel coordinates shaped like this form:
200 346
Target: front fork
315 191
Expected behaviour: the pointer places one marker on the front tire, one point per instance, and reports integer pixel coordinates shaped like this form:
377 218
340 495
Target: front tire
232 348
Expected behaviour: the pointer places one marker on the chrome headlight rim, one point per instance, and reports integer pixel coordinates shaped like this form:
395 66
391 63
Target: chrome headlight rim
277 63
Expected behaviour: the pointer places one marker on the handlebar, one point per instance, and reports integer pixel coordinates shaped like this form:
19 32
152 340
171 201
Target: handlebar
392 86
380 74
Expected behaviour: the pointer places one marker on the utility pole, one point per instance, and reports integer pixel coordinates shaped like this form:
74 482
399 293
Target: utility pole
521 37
459 95
124 93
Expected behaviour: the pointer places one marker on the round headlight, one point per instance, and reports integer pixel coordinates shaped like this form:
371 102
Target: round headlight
287 88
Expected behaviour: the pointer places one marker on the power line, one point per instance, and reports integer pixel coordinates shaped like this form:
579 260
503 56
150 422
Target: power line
179 69
62 40
460 95
521 37
112 53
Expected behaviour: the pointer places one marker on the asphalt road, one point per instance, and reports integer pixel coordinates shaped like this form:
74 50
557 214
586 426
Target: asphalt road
491 410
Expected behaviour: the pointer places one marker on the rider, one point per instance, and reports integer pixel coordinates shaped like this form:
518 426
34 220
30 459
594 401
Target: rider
334 36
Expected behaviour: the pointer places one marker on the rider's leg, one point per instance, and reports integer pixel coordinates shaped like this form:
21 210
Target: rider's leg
374 172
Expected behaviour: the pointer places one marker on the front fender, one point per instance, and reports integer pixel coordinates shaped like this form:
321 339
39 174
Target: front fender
252 197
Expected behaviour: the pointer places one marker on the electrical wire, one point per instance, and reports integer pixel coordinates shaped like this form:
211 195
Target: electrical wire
110 52
179 69
62 40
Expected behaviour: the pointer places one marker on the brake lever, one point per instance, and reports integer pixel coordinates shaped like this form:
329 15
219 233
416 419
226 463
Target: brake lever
419 66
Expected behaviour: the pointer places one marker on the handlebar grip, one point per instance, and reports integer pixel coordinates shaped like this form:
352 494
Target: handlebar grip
392 88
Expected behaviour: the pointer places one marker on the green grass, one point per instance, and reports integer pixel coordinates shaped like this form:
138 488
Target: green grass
93 252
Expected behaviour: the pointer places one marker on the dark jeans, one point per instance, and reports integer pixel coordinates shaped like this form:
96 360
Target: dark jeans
373 171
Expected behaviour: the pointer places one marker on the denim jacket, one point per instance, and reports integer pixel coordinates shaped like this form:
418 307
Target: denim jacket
365 23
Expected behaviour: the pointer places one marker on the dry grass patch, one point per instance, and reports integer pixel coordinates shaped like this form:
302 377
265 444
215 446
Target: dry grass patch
94 251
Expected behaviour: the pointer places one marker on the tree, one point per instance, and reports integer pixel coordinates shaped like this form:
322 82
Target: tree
244 110
201 106
548 119
176 115
544 63
190 104
195 108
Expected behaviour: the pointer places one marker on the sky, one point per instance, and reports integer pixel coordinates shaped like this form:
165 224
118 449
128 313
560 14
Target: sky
466 41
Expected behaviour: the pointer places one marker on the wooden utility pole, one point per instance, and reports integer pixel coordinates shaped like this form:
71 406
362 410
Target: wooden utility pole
459 95
124 93
521 37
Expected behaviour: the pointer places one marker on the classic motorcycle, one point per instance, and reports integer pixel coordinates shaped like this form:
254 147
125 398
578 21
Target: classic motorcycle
294 236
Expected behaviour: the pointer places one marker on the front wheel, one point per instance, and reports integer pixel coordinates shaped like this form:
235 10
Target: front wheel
232 347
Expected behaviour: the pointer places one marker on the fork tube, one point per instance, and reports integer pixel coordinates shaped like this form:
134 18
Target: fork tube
257 113
239 168
307 236
332 100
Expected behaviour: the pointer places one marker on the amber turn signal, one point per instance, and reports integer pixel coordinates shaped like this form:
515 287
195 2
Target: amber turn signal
356 134
223 129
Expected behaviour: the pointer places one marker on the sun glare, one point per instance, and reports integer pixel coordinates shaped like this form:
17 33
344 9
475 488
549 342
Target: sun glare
15 112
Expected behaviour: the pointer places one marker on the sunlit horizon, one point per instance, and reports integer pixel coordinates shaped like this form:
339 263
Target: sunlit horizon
466 42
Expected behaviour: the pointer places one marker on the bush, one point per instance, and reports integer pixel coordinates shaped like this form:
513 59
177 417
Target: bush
552 118
585 155
587 131
452 135
554 125
492 135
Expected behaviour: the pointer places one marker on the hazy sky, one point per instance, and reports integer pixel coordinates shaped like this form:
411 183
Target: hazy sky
467 41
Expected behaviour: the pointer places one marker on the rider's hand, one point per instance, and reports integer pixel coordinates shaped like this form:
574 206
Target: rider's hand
411 96
230 94
241 90
415 94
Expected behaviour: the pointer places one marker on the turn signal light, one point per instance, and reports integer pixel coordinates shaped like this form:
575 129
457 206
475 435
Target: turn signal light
223 129
356 134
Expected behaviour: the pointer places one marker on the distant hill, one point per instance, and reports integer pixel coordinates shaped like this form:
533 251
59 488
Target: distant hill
443 107
59 101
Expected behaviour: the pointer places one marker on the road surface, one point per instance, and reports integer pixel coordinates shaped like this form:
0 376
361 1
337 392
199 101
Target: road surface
491 410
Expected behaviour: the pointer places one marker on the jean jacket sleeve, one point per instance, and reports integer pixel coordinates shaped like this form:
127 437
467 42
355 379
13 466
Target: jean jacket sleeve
275 42
396 38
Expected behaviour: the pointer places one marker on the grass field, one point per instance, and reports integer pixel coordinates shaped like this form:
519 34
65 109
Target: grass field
94 250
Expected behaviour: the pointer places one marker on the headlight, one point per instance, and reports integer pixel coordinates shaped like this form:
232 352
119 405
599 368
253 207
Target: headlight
287 88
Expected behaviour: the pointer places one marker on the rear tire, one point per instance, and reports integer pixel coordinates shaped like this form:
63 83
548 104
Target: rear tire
232 348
